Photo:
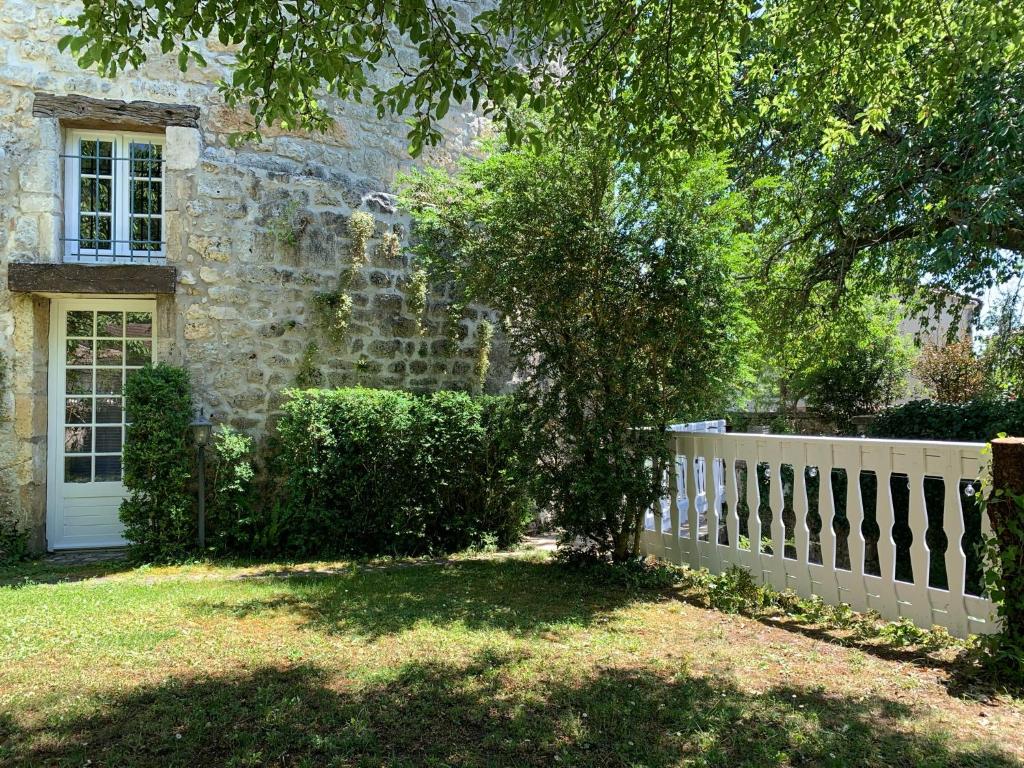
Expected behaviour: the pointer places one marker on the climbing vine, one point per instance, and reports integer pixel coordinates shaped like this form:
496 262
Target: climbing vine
3 385
361 227
416 296
308 375
484 336
334 310
286 227
390 247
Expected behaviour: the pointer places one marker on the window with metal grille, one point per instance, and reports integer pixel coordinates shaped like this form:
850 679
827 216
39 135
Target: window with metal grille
113 197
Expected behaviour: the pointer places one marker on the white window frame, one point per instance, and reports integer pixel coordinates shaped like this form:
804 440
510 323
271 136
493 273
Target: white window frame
120 216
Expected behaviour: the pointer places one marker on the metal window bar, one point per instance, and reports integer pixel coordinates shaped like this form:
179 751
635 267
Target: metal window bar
144 248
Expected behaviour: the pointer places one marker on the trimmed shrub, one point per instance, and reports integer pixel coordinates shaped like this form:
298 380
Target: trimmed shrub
159 516
229 519
381 472
977 420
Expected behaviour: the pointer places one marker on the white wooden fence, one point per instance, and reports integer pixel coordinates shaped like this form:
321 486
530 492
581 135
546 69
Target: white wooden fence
810 522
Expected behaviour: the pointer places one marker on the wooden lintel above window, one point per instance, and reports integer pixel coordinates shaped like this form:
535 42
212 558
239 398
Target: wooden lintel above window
87 112
110 279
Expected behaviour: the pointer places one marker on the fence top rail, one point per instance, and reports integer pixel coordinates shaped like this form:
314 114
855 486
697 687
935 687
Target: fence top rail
865 441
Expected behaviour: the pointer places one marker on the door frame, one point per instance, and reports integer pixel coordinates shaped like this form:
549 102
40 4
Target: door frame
56 377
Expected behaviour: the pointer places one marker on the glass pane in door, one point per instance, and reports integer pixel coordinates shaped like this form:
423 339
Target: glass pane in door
102 348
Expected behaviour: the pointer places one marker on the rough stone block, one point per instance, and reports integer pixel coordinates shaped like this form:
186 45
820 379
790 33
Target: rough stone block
183 148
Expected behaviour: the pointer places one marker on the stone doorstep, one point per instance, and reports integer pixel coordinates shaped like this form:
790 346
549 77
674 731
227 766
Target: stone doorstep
86 556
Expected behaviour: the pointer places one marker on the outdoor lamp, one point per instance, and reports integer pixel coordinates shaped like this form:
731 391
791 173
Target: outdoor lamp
202 427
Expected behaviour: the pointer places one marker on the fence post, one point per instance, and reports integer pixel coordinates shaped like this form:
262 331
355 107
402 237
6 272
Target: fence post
1007 520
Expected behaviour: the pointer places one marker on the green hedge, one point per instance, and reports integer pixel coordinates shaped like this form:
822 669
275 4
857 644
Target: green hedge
158 515
381 472
976 421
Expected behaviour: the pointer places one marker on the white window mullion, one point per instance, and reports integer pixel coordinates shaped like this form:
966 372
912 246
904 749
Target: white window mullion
122 213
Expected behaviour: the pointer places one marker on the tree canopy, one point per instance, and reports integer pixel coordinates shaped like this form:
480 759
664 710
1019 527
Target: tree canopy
891 128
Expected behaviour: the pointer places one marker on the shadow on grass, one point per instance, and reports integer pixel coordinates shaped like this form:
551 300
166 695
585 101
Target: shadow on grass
43 572
480 714
513 595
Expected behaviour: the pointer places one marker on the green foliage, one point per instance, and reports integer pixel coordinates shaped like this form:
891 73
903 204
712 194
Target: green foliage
13 544
229 504
619 283
159 514
843 362
645 70
890 157
390 247
379 472
1004 347
977 421
635 574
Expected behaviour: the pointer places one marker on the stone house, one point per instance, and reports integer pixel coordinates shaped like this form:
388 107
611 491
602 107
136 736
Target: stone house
132 230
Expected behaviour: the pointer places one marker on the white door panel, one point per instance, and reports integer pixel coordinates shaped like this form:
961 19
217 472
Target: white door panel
95 344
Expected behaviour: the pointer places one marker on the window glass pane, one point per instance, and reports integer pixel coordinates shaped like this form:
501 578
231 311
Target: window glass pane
78 440
80 324
79 352
109 352
147 197
108 382
94 232
108 410
110 324
96 154
140 351
79 382
95 194
78 469
145 159
146 234
78 410
108 439
139 325
108 469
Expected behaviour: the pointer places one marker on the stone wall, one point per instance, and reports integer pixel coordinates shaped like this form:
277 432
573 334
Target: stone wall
256 232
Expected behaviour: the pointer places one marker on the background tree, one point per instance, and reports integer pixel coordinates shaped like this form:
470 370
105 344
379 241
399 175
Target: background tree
622 309
953 373
842 361
1004 346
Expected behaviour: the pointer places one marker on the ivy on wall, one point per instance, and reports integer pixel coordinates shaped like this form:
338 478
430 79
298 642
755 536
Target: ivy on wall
482 363
3 385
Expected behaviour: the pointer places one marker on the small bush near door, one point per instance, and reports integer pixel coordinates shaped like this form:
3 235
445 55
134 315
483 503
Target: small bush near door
158 515
380 472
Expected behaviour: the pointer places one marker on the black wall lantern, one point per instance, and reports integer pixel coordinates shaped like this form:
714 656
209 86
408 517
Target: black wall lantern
202 429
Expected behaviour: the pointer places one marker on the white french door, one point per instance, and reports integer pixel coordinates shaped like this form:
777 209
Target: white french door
95 345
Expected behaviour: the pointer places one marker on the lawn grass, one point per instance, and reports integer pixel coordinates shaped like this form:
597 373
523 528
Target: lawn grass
485 661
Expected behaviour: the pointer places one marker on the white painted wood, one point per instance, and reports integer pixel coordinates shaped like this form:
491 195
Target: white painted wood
706 460
82 514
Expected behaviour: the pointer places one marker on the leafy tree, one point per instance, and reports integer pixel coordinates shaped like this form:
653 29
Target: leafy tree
953 373
663 71
893 126
841 360
617 285
1004 347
